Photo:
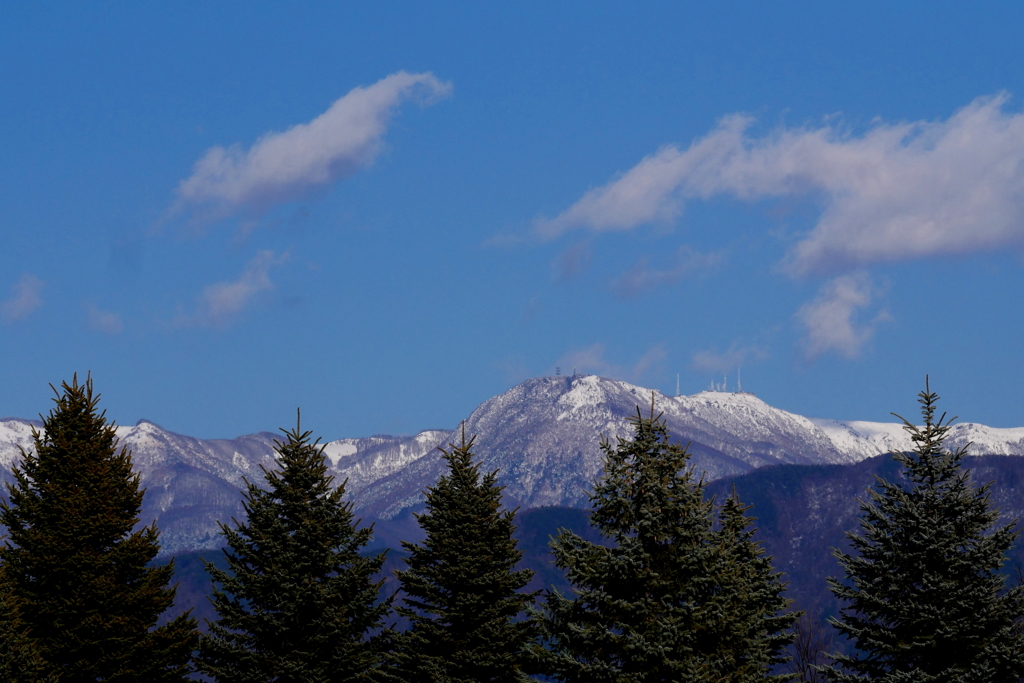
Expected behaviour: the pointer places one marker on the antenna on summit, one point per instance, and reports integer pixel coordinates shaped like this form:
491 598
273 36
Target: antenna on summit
677 384
739 380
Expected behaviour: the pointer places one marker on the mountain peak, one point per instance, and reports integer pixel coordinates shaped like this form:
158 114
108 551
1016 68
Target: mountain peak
542 436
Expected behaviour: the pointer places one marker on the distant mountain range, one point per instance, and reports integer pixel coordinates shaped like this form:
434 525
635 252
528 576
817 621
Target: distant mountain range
542 435
803 512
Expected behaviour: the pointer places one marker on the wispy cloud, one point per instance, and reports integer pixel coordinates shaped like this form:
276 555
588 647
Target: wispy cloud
573 261
641 277
897 192
282 167
26 296
736 356
589 360
831 319
514 369
221 303
592 360
104 321
649 192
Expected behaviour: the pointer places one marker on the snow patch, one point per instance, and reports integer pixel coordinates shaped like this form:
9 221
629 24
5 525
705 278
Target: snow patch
14 435
586 392
864 439
336 450
431 436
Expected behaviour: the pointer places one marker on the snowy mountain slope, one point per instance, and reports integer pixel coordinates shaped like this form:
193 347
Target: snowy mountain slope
192 483
542 435
15 434
860 440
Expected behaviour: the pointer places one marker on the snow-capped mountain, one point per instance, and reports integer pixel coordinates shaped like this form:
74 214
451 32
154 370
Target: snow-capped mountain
542 435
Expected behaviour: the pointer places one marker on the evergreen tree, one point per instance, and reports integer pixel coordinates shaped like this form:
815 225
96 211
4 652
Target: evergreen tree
670 598
299 601
925 600
79 575
19 658
461 590
758 631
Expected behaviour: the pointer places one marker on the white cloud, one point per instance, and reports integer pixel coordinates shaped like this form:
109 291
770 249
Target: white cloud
686 261
281 167
897 192
646 193
591 360
26 296
104 321
734 357
830 319
222 302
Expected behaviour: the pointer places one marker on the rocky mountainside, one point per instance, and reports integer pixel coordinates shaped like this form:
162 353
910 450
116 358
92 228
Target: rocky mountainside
542 435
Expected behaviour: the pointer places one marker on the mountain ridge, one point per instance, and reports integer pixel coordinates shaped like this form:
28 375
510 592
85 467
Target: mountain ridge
541 435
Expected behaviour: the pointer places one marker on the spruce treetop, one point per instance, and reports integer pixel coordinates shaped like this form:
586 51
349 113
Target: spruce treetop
925 599
461 590
670 598
299 601
77 476
81 577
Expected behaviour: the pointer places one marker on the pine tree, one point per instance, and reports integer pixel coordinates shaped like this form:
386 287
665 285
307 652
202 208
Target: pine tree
670 598
925 600
20 661
757 630
79 574
462 592
299 600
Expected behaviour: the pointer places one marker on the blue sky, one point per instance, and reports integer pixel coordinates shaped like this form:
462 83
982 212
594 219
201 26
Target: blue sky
386 213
